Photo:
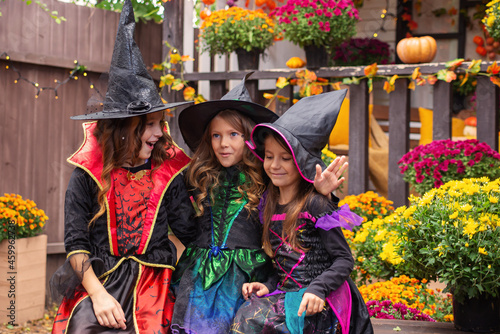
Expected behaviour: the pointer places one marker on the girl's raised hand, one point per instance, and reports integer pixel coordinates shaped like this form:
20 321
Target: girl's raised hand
331 178
255 287
108 311
312 303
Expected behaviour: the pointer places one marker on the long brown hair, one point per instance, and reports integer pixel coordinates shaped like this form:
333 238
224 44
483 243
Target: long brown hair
305 192
120 142
203 174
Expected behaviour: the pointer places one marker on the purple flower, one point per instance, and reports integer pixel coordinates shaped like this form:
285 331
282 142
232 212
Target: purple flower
337 12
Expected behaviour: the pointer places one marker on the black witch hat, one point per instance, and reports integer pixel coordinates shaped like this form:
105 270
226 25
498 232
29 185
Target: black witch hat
194 120
131 89
305 128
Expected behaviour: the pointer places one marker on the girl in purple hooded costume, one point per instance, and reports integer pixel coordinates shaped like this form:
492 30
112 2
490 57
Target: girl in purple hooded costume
311 291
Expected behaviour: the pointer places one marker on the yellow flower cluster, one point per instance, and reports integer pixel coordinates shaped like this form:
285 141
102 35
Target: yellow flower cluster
491 19
408 291
327 156
457 196
368 205
234 14
380 231
227 30
29 220
375 249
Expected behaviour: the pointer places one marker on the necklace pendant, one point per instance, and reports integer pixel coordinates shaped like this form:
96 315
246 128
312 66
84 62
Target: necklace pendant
136 176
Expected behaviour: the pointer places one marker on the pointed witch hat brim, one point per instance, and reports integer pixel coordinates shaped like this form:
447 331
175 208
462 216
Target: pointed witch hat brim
194 120
131 89
305 128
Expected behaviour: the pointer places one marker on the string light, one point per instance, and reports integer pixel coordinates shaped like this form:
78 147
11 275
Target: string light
384 16
72 75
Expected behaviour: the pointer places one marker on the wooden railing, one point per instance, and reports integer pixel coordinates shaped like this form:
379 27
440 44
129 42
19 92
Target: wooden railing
399 114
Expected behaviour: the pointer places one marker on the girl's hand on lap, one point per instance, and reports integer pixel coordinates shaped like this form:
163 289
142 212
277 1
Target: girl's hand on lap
108 311
255 287
312 303
331 178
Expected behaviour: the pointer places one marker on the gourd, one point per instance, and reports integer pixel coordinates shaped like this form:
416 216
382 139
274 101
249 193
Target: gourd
471 121
414 50
295 62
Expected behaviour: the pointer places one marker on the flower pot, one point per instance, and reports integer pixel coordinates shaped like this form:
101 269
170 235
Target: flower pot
316 56
248 60
22 279
480 314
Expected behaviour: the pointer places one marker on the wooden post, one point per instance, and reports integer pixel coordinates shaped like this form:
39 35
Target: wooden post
399 140
217 89
441 116
173 25
358 138
253 88
487 116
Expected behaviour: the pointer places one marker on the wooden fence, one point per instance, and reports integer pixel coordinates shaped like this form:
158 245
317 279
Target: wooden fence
399 115
36 134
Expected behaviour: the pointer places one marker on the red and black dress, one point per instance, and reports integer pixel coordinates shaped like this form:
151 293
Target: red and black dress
128 247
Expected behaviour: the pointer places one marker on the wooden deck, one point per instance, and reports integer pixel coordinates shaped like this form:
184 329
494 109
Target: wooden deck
382 326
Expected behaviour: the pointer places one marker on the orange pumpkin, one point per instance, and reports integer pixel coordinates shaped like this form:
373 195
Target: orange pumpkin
415 50
471 121
295 62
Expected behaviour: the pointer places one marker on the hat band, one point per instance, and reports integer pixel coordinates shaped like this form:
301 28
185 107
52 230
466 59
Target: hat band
138 107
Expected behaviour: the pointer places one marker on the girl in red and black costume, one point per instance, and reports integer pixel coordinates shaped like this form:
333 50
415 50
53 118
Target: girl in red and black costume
121 199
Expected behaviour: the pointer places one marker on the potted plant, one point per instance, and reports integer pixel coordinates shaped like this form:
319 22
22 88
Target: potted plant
317 26
430 166
362 51
244 31
23 250
451 233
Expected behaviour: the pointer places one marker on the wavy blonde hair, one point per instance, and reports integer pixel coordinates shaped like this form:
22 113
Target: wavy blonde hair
120 142
203 174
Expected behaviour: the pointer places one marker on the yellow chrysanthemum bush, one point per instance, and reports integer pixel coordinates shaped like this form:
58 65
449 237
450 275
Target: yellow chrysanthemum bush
452 233
491 19
20 215
226 30
374 249
406 298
